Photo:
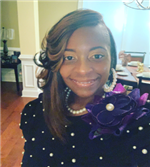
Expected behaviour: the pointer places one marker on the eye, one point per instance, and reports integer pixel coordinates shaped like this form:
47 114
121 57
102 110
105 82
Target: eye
97 56
68 58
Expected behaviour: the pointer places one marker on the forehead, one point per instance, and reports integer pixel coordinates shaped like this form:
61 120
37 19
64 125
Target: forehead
90 36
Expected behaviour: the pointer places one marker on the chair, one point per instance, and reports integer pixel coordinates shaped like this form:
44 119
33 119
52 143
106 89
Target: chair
144 86
136 56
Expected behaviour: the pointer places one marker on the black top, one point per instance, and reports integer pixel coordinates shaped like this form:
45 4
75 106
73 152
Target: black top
131 149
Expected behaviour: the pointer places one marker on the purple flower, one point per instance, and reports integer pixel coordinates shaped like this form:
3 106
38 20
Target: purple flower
112 114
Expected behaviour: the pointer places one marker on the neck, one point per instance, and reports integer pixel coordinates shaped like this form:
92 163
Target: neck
80 102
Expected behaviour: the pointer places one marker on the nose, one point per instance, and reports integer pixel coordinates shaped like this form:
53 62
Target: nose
84 67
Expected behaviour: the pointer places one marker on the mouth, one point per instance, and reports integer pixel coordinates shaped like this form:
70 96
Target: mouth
86 83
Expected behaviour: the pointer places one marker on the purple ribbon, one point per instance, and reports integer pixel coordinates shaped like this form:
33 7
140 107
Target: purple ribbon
127 108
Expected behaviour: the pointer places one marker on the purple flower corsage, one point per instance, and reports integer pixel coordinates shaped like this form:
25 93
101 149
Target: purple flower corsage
110 115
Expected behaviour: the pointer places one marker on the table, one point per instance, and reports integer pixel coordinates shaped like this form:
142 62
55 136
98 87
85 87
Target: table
15 67
133 71
132 80
129 79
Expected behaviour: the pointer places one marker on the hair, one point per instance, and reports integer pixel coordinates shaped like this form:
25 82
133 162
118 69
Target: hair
51 59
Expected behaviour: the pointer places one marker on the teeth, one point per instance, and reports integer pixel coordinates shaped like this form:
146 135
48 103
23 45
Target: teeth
84 82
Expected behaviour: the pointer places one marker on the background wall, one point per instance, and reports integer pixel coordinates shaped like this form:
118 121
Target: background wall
9 19
49 12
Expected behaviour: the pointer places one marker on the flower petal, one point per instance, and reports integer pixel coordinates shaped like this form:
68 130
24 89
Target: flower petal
122 101
111 99
135 94
119 89
118 111
142 100
97 108
105 117
89 107
141 111
115 122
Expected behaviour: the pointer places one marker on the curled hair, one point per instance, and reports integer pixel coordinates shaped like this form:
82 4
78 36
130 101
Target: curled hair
50 60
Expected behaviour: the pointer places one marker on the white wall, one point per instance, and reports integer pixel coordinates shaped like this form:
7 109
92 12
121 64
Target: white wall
130 27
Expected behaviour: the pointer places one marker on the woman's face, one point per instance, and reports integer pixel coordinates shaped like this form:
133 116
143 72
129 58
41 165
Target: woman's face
87 60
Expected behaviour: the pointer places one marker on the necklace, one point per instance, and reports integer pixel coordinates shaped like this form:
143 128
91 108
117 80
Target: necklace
69 109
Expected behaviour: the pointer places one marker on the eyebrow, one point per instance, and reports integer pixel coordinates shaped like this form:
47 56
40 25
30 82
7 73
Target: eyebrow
97 47
71 50
94 48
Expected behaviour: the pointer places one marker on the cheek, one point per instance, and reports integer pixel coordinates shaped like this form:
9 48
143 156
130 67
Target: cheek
104 70
65 71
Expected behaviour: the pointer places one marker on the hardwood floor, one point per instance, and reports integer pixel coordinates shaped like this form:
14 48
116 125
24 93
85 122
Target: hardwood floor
11 136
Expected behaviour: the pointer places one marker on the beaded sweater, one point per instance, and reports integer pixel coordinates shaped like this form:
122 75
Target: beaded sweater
131 149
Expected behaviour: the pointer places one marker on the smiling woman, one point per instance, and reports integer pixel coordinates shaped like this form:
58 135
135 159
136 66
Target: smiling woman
87 50
78 80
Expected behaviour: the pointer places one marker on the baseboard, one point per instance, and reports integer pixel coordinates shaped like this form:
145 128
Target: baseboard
31 93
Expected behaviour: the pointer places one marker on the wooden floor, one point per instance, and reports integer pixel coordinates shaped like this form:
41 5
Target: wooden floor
11 141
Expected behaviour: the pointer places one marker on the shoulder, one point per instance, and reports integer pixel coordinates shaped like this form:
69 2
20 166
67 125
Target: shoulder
32 105
32 113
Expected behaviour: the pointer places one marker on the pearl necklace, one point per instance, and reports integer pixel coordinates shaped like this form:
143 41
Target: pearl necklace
69 109
109 106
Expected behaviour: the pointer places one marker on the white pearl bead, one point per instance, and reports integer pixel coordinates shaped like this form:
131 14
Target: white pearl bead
144 151
72 134
110 107
33 139
73 160
100 158
134 147
140 128
51 154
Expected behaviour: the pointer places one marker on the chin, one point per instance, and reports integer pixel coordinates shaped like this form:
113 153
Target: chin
85 94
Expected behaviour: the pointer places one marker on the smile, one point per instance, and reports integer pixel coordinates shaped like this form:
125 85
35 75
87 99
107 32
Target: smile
85 83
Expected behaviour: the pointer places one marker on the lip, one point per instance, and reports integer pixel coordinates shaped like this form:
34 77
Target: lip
86 83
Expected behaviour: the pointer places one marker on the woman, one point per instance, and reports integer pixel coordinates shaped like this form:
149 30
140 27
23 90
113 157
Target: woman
65 126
